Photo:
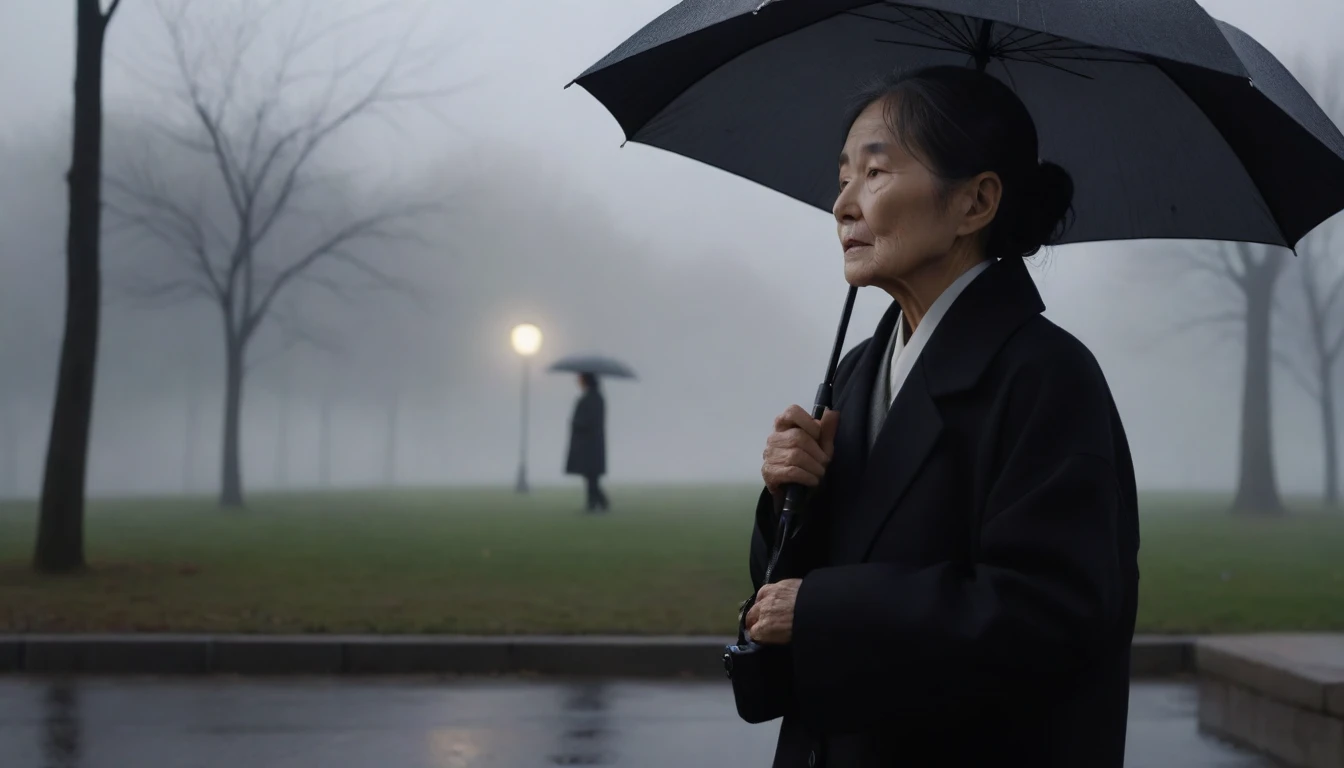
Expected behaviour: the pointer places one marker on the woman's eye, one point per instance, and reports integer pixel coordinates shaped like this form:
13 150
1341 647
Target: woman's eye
872 173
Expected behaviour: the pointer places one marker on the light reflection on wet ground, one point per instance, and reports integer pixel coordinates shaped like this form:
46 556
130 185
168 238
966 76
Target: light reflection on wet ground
218 723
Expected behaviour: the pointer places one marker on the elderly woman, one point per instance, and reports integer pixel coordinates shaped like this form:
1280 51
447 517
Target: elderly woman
963 590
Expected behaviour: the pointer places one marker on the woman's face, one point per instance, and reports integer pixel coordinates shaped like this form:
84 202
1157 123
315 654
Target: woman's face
890 216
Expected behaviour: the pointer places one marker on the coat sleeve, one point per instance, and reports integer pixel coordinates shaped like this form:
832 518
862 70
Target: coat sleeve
587 415
779 662
874 641
763 531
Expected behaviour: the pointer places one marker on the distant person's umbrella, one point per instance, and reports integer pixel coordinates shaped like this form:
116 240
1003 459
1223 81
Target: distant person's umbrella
594 364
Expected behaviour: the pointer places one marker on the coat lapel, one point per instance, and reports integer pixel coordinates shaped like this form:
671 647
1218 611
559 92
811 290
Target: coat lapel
911 430
981 321
853 403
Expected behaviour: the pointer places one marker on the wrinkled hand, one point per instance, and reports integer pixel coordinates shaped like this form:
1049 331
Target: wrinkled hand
770 620
799 450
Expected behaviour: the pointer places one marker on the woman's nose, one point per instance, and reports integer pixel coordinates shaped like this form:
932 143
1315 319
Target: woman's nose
846 207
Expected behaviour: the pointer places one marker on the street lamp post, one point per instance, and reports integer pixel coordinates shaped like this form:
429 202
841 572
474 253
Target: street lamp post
526 340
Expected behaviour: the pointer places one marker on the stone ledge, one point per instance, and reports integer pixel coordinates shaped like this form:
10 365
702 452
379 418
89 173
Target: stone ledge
1161 656
1278 694
1297 737
11 654
1305 671
578 656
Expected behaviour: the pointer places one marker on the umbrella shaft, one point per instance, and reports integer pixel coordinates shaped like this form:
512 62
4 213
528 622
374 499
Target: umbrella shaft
793 494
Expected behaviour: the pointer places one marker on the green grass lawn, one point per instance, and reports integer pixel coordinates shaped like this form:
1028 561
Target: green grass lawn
665 561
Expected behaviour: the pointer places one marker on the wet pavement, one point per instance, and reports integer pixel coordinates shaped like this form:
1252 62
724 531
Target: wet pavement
214 723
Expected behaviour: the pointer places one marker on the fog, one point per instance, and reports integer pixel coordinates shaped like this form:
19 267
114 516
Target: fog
721 294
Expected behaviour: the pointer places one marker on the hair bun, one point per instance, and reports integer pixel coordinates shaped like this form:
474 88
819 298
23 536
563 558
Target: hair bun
1048 217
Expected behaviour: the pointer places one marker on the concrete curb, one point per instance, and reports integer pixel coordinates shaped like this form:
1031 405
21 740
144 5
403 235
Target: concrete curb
562 656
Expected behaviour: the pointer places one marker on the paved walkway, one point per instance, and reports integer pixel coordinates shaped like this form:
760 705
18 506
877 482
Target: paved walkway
222 723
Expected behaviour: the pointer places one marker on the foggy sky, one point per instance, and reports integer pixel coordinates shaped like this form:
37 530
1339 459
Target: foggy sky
721 294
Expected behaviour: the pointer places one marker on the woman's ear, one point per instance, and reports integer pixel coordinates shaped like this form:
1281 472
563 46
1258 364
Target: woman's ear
981 202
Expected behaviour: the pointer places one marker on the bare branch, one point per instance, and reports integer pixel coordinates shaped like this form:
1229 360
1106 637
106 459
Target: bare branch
1221 263
1217 319
162 293
379 279
1304 380
292 334
165 217
376 227
211 122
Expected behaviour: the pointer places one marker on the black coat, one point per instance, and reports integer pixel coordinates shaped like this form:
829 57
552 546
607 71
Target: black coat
588 436
970 583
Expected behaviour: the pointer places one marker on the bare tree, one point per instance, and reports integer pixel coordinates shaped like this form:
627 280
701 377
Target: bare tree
261 122
1252 273
9 448
390 447
282 432
1315 342
1316 337
324 441
60 527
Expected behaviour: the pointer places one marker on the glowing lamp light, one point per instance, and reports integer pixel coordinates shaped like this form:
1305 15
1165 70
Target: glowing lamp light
526 339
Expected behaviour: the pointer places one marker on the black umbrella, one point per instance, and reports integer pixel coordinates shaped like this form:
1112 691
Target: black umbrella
594 364
1172 124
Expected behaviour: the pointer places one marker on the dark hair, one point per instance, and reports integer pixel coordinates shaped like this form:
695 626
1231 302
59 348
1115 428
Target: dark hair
589 380
960 122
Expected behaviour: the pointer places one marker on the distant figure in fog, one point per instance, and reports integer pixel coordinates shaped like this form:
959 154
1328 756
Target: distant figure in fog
588 441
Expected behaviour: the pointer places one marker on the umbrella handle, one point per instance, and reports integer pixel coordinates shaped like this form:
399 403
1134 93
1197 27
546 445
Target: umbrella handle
794 494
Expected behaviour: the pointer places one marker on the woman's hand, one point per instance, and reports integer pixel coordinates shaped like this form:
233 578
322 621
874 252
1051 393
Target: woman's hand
770 620
799 450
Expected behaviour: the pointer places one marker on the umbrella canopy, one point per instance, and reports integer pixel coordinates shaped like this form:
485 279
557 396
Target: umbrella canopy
594 364
1172 124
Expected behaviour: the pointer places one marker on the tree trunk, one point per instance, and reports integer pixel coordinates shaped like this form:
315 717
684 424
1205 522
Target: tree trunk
282 436
1257 489
1329 430
9 435
60 528
231 479
324 443
191 438
390 450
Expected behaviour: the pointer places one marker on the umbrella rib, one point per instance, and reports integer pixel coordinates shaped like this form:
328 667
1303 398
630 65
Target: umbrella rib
951 27
1097 59
1047 63
970 32
1025 43
965 36
919 27
929 30
923 46
1052 47
1012 79
1006 39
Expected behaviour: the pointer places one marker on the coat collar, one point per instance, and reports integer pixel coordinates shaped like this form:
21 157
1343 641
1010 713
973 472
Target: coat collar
975 328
